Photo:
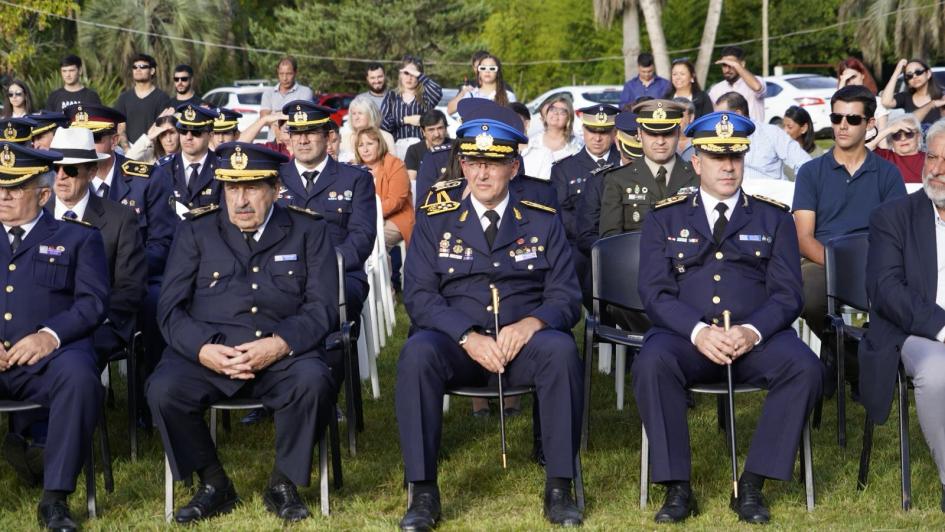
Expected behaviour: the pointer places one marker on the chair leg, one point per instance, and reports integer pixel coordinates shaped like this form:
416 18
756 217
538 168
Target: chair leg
226 421
90 501
168 491
578 482
335 440
213 425
865 454
644 468
352 381
841 390
588 361
323 472
808 468
132 381
620 373
106 454
905 466
818 412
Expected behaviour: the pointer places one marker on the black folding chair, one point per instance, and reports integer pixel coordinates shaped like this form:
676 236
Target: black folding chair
615 267
905 468
721 390
845 267
129 355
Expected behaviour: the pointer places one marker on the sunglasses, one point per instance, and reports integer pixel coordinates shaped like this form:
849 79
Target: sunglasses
195 134
488 68
140 67
853 120
914 73
902 135
70 170
14 94
185 78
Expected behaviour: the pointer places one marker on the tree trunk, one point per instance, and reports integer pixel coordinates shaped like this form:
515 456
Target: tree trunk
631 38
653 13
708 41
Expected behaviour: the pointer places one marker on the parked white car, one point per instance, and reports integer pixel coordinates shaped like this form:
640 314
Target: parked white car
810 91
581 96
245 96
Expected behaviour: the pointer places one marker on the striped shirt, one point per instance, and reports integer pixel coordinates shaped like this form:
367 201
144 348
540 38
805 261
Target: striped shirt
394 109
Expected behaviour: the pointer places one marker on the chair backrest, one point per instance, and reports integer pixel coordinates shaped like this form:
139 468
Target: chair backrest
615 268
845 266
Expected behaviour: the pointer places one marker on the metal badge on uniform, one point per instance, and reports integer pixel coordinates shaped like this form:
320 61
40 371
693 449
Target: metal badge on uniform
176 193
348 195
51 251
468 254
526 254
207 191
684 233
636 216
285 258
332 195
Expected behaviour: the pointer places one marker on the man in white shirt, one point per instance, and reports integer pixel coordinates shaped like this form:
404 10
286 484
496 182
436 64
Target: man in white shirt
739 79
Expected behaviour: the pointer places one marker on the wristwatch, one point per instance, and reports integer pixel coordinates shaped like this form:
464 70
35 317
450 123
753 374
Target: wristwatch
464 338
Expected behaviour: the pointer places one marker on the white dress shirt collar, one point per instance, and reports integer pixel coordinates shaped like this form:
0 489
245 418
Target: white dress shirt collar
27 227
710 202
319 168
481 210
97 181
655 167
78 208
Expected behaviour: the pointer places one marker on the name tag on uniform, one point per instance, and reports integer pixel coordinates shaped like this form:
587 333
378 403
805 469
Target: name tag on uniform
528 255
754 238
50 250
285 258
636 197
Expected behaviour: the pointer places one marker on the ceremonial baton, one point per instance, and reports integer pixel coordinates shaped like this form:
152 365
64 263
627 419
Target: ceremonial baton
495 313
727 316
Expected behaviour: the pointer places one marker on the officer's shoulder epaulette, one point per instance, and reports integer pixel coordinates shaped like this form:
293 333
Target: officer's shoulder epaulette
441 147
672 200
193 214
307 212
538 206
446 185
77 221
771 201
137 168
601 169
431 209
164 160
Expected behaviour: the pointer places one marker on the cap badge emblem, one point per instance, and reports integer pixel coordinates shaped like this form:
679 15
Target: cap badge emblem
300 116
724 128
7 158
659 113
9 132
239 160
484 141
189 113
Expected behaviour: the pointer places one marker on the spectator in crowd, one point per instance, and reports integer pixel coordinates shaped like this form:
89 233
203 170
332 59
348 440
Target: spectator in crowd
46 125
142 103
852 71
906 150
162 139
416 94
922 97
72 90
334 140
281 142
685 85
362 114
557 116
377 84
489 85
19 101
737 78
285 91
433 128
771 147
684 148
536 158
798 125
226 128
474 62
836 192
390 183
184 86
646 82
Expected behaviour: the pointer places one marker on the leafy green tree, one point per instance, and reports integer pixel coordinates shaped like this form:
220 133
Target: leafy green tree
24 33
915 28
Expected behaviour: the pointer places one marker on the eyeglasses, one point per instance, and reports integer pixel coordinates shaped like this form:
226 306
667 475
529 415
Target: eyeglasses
140 67
901 135
70 170
488 68
14 94
485 166
914 73
185 78
853 120
557 111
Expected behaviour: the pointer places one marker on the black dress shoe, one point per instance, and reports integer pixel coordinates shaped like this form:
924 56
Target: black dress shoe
18 454
679 504
55 516
283 500
255 416
423 513
208 502
560 508
750 504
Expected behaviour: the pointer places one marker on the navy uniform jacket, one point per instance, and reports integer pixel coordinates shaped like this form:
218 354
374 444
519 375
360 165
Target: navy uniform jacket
435 164
522 186
755 273
173 169
449 268
344 195
58 278
569 177
134 186
588 213
215 291
901 279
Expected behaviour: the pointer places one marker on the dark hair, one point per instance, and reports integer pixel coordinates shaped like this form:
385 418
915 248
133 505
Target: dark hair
412 59
853 94
143 57
501 93
184 68
801 117
477 56
71 60
291 61
27 98
935 92
735 102
645 60
521 110
735 51
332 126
692 73
855 64
432 118
374 65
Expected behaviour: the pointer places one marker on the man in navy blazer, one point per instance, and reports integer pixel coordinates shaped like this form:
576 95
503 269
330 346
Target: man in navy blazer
906 286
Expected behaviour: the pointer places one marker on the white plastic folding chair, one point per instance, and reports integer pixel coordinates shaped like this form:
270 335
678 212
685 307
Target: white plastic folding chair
778 189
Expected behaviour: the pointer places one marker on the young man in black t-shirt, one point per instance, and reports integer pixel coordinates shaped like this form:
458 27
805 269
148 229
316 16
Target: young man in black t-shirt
72 91
142 103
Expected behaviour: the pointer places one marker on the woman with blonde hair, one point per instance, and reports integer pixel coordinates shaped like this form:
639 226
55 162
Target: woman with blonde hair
557 115
390 182
415 94
362 114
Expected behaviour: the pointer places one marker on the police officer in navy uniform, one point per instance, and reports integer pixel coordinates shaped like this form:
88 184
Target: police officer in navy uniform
702 254
55 293
249 296
47 122
458 250
190 171
17 130
570 177
226 126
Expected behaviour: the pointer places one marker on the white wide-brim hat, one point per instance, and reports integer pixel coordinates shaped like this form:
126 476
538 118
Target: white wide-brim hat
77 145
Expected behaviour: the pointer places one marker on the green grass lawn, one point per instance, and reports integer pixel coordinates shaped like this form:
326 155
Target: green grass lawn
478 495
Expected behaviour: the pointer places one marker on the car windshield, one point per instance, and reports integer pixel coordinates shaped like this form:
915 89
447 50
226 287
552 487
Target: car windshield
813 82
609 97
250 98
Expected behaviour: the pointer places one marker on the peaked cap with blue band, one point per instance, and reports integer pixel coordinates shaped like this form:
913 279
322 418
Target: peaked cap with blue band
489 129
721 132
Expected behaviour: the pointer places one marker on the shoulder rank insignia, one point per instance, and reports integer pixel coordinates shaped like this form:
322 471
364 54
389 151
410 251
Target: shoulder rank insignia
77 221
303 210
439 207
137 168
604 168
672 200
771 201
446 185
200 211
538 206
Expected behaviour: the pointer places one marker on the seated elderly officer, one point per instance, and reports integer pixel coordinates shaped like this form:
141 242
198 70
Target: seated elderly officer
249 295
701 254
459 249
56 293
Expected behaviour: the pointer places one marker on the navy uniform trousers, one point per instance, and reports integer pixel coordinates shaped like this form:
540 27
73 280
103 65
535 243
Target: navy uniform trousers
430 362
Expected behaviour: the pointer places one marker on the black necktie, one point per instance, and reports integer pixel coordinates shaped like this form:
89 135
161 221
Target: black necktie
70 215
250 241
309 181
661 180
192 182
103 190
493 228
719 229
601 162
17 233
